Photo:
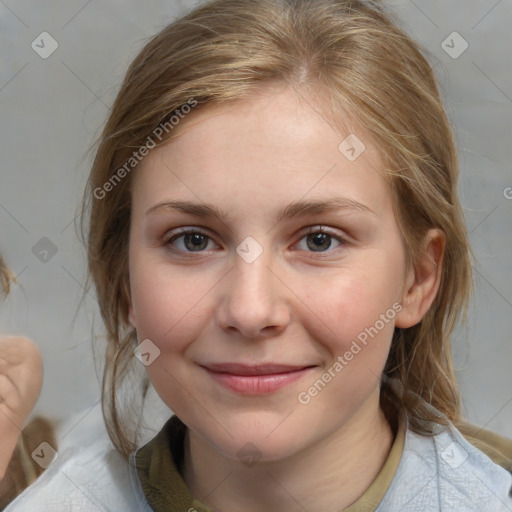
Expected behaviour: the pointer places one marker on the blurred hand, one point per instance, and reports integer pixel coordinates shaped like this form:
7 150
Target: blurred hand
21 377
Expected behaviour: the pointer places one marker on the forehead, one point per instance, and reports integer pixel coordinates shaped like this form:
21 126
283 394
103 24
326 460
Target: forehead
274 146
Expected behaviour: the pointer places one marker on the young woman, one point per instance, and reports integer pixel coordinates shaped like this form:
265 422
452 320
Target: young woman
275 235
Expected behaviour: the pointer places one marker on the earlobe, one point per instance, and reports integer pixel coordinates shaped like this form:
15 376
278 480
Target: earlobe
423 281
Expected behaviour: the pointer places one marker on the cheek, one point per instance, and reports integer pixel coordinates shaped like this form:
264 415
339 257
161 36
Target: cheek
167 307
354 325
352 314
348 305
169 312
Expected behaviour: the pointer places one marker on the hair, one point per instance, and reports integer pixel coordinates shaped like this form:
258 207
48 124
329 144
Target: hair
23 470
350 57
6 277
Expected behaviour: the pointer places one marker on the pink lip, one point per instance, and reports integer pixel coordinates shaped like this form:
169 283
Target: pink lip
255 380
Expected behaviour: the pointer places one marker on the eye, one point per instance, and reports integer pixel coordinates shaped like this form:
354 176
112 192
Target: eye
190 241
318 240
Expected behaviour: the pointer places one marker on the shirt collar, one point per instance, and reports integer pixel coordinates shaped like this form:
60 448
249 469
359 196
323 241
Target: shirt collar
159 464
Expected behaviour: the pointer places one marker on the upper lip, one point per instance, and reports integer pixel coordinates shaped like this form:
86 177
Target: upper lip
259 369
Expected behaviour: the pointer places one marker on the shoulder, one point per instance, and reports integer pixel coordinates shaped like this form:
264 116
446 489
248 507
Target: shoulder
95 477
496 447
446 472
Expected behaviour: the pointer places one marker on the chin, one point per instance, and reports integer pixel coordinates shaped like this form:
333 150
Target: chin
256 441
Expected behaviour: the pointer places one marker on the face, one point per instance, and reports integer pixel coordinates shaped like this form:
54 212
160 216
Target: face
259 303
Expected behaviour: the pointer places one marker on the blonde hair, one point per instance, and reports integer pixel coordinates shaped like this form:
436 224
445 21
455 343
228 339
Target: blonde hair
6 277
353 58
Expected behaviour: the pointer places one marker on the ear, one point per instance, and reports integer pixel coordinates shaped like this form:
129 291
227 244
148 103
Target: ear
422 281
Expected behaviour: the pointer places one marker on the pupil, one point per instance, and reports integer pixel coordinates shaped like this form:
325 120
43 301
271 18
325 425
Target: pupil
195 241
320 241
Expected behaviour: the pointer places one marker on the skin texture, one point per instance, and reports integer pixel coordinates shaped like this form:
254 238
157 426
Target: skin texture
21 377
292 305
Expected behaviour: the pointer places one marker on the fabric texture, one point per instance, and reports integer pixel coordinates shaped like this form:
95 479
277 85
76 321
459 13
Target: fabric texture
443 473
159 467
496 447
91 478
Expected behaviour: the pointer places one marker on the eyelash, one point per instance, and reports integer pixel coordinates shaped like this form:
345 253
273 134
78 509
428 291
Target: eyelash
168 242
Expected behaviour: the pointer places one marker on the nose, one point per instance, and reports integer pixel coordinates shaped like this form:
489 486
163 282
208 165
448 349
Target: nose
254 302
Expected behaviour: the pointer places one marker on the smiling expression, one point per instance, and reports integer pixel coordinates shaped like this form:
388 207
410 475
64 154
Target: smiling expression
258 253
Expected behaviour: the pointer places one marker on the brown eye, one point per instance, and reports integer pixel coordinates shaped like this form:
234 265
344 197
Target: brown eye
195 241
318 241
190 241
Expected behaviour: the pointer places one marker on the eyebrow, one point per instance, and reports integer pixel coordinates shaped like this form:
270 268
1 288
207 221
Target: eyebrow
294 209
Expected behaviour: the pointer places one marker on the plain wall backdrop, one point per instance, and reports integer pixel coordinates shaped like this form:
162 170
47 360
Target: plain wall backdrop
51 109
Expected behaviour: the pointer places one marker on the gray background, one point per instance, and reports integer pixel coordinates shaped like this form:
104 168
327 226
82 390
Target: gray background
52 109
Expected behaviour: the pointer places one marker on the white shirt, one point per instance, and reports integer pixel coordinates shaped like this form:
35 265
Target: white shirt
443 473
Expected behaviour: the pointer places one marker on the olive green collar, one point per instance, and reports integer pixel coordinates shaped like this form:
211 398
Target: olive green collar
160 461
158 468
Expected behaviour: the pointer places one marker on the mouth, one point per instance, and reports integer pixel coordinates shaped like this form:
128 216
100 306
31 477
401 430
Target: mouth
255 379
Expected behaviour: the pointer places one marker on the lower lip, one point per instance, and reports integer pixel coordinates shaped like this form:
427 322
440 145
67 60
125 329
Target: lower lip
257 384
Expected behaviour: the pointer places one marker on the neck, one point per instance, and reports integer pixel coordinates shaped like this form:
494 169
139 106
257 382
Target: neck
331 475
